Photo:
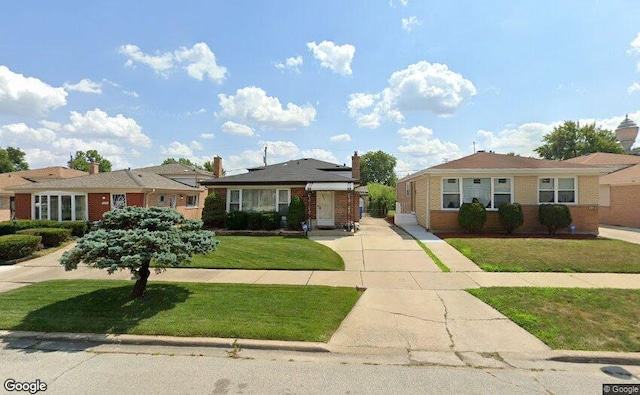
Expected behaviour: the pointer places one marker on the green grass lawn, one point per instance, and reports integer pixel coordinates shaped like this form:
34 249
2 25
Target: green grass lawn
310 313
550 255
572 318
269 252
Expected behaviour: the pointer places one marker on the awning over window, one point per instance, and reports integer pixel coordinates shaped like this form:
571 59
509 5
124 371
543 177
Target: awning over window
329 186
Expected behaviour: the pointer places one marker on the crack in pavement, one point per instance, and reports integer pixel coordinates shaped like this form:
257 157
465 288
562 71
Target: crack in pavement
446 322
73 367
404 315
516 384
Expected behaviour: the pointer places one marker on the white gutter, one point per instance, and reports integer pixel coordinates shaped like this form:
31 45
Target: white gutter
329 186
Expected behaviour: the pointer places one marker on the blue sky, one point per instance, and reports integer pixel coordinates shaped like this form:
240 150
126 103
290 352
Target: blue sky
142 81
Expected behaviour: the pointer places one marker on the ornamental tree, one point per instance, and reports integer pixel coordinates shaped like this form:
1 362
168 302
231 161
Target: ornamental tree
132 237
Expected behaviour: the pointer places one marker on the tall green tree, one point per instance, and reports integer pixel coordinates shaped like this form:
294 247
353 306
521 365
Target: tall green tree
131 237
183 161
82 159
378 167
570 140
12 159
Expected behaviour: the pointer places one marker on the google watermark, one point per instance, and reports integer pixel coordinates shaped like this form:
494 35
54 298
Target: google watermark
32 387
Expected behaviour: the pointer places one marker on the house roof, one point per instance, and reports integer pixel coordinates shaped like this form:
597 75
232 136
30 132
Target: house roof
52 173
605 159
176 169
292 172
629 175
489 162
120 180
9 180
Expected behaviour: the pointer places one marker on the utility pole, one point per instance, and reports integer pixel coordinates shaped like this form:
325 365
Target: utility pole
265 155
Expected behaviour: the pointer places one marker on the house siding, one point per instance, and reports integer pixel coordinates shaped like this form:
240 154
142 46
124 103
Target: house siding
525 190
401 196
588 190
135 199
23 205
623 208
421 190
98 203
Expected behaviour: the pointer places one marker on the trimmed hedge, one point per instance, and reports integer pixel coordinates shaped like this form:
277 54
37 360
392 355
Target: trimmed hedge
78 228
51 237
554 217
254 220
472 216
18 246
511 216
236 220
270 220
296 213
213 212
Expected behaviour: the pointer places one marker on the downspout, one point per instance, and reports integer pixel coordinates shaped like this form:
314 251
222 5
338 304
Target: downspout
147 197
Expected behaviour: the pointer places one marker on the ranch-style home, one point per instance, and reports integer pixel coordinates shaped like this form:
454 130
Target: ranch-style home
88 197
433 196
327 189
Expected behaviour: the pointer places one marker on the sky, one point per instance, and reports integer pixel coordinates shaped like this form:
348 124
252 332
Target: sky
424 81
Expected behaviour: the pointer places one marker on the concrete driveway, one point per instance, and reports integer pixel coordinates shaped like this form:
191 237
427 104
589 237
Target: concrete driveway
630 235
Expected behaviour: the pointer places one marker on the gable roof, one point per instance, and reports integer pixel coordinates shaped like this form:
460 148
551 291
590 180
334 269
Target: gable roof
606 159
113 180
295 171
629 175
50 173
175 169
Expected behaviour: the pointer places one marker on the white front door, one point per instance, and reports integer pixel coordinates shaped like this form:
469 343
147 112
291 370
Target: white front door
324 208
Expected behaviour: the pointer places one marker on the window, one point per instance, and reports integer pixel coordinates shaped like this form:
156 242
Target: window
234 200
259 200
118 201
451 193
488 191
283 201
557 190
161 200
60 207
407 189
192 200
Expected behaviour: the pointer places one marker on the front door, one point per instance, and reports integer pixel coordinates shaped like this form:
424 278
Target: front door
324 208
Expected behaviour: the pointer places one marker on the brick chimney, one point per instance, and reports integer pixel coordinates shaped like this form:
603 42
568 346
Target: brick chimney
94 168
355 166
217 167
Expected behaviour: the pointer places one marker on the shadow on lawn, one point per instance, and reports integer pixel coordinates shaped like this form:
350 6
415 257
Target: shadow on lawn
104 311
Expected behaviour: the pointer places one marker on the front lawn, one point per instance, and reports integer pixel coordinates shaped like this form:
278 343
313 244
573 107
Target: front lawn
310 313
550 255
269 253
572 318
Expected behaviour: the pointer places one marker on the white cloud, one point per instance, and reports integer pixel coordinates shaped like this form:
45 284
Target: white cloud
291 64
196 145
199 61
277 151
97 123
207 136
402 2
237 129
342 138
176 149
200 111
422 86
19 134
320 154
84 85
252 105
633 88
408 24
635 45
131 93
425 150
28 96
336 58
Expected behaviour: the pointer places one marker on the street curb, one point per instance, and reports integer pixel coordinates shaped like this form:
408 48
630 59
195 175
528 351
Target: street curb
579 356
150 340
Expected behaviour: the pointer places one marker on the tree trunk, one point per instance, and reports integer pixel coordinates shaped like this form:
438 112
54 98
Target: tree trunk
141 283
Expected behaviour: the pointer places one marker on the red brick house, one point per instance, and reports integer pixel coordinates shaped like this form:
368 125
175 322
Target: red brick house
327 189
434 195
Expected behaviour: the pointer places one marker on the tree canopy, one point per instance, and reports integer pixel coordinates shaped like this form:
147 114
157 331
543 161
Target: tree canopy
82 159
12 159
378 167
570 140
131 237
183 161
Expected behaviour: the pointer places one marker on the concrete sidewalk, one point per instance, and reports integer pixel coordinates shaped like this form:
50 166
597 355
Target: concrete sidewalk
630 235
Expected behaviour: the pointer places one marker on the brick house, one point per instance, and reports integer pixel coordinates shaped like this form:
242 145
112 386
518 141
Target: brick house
327 189
89 197
619 189
433 196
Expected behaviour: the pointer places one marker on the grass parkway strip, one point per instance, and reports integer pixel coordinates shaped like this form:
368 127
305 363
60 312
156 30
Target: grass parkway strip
249 311
268 253
550 255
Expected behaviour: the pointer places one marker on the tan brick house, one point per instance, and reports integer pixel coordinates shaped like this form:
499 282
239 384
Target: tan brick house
327 189
434 195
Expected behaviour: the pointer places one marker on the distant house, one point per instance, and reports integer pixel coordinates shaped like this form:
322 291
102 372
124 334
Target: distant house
327 189
11 179
619 189
89 197
434 195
